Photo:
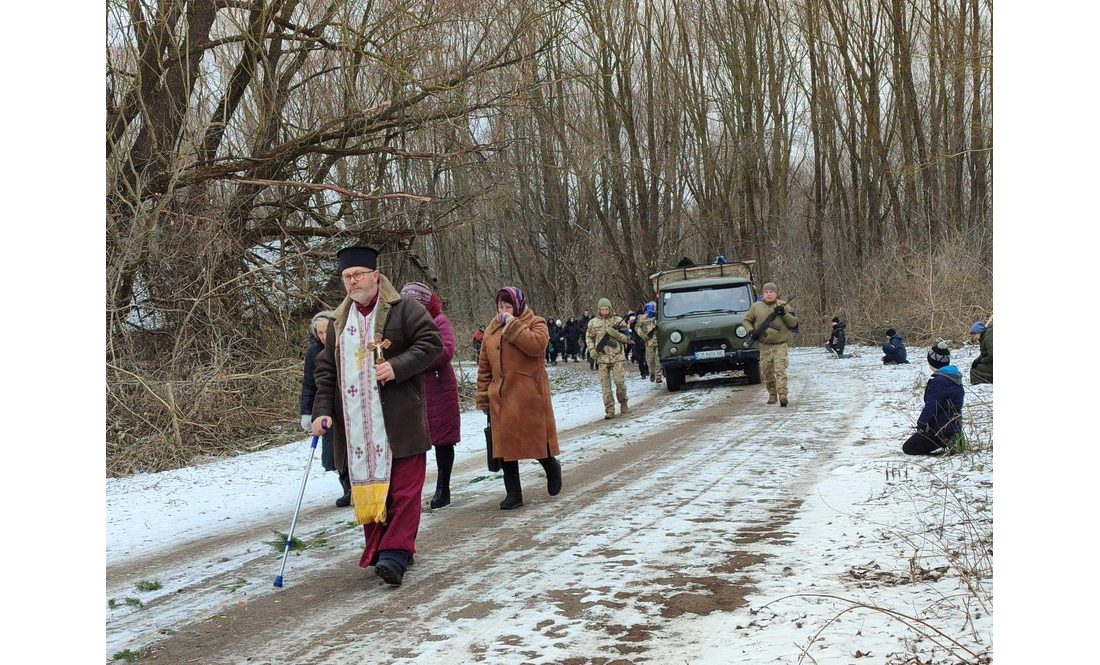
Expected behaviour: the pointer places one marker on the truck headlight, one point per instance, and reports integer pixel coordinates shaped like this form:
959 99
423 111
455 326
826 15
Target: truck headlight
741 332
675 337
672 350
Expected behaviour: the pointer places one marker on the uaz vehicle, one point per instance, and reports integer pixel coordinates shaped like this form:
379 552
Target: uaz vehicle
700 321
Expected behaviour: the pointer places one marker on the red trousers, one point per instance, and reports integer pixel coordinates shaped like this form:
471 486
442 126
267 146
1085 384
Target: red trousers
402 511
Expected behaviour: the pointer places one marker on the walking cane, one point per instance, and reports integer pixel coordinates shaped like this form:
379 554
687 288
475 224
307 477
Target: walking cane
298 506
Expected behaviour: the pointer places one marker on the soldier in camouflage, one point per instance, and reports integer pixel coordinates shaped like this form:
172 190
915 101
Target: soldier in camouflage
773 342
646 327
609 355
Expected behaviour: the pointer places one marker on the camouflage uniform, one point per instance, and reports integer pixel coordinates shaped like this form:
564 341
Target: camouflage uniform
611 360
773 346
644 326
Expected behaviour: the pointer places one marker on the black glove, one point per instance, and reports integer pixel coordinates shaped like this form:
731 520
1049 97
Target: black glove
780 311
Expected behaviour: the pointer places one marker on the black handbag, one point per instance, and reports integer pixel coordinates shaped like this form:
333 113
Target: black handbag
492 463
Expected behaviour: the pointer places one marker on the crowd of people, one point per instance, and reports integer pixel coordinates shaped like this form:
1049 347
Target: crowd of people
380 391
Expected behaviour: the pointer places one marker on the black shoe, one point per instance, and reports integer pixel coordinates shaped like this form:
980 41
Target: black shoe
782 400
511 502
344 501
442 497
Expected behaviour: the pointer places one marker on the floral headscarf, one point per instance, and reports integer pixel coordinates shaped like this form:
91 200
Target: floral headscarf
513 295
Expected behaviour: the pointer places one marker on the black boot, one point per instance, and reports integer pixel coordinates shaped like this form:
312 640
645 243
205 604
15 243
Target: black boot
444 462
553 474
345 482
514 499
392 565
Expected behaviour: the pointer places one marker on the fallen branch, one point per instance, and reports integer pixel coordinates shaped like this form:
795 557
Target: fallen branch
334 188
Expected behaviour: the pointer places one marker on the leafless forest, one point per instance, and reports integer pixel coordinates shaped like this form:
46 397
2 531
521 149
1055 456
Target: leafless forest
571 148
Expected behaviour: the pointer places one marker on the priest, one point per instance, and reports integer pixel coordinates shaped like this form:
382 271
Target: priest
368 383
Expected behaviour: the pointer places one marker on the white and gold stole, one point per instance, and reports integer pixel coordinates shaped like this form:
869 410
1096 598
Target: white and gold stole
369 455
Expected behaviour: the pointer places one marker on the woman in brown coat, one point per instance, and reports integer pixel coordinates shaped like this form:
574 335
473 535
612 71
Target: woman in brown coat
514 391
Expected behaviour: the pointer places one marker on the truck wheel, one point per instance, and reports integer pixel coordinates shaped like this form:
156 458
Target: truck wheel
752 371
673 381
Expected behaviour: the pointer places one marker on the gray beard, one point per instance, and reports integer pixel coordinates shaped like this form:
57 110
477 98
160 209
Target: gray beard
361 297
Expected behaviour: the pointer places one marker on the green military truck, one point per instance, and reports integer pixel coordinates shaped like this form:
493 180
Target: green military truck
700 321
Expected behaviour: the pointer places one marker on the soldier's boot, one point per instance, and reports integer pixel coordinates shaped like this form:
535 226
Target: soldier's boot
345 482
622 408
553 474
514 498
782 400
772 398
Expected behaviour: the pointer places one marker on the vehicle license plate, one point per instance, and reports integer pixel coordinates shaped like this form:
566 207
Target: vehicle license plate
703 355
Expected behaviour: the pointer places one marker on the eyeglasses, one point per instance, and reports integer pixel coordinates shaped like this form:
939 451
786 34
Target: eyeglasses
356 276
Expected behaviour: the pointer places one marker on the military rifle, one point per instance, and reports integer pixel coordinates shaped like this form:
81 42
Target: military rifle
759 331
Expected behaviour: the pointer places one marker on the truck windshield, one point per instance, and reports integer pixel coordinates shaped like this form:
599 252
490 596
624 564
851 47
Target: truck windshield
707 300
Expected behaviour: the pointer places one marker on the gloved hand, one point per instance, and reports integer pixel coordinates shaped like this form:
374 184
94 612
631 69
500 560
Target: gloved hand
505 317
307 423
780 311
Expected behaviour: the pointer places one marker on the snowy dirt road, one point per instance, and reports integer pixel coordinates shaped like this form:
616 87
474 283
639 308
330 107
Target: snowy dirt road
671 520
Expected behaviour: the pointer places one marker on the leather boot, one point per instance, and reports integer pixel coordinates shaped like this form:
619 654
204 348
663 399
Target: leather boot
444 461
553 474
772 399
345 482
514 499
782 400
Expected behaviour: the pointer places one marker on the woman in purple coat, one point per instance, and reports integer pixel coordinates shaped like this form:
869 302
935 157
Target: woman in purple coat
440 394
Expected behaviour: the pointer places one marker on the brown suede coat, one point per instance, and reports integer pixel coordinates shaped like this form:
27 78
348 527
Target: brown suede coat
415 344
512 384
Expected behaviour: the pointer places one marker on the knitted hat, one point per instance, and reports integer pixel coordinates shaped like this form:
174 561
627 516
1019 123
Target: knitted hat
940 355
836 319
891 332
770 286
604 302
977 328
417 291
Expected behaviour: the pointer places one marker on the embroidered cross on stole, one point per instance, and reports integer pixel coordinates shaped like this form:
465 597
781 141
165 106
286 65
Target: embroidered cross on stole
368 450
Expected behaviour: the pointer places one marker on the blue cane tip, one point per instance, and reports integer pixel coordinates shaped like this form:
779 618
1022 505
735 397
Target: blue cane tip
279 581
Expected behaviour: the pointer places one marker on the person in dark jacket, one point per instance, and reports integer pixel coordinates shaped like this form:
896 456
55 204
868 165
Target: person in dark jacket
584 321
939 425
837 339
982 369
573 332
894 349
637 349
479 334
552 349
440 394
370 390
318 330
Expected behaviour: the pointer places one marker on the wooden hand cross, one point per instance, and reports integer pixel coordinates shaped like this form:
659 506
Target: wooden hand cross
377 346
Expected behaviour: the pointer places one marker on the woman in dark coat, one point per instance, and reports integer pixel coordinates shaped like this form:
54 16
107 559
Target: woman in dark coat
521 417
440 394
318 328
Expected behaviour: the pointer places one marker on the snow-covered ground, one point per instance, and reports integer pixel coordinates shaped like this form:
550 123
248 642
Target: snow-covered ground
149 512
797 534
